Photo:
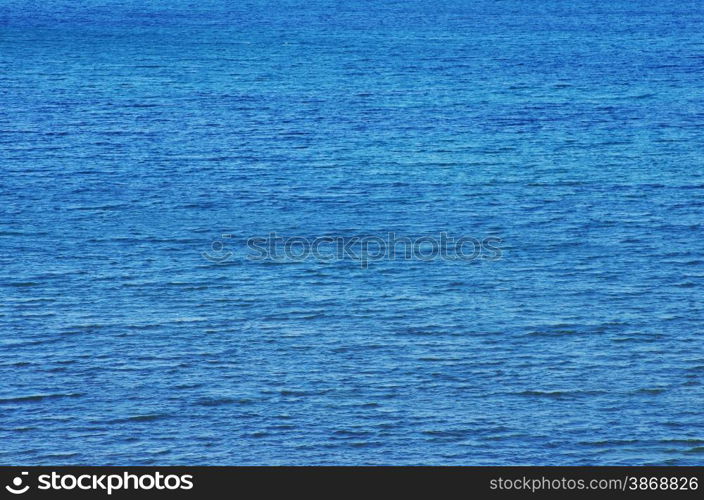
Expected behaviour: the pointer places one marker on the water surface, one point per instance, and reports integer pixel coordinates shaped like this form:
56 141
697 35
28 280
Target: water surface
133 135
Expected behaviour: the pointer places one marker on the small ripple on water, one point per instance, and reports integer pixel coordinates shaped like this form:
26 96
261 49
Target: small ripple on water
37 397
149 417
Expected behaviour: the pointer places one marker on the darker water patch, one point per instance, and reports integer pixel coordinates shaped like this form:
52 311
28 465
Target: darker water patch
558 394
21 284
223 401
148 417
38 397
650 390
698 450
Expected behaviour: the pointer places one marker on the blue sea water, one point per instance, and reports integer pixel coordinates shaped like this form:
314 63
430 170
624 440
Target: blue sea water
134 134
